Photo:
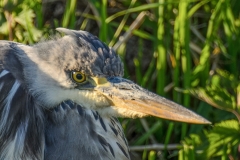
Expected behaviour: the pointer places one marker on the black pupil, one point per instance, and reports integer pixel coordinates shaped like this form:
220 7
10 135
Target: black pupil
79 76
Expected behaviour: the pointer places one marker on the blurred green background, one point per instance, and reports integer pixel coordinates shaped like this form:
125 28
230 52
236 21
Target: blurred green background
185 50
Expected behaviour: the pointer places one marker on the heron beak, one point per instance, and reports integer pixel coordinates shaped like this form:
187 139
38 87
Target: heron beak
125 94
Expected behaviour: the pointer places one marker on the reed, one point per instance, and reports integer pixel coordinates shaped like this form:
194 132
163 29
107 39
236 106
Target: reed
178 47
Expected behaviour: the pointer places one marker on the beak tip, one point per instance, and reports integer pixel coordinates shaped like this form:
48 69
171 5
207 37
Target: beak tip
200 120
207 122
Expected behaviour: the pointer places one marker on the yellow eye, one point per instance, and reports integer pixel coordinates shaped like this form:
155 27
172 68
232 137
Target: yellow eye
78 77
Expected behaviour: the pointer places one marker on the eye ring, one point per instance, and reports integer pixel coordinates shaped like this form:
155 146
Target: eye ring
78 77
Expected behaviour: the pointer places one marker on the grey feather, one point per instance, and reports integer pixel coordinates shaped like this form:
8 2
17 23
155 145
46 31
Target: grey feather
22 122
68 135
82 51
37 124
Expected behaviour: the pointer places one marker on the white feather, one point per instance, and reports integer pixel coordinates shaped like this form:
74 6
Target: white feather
14 148
7 106
3 73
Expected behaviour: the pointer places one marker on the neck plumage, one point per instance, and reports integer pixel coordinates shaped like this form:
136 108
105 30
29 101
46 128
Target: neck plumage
74 132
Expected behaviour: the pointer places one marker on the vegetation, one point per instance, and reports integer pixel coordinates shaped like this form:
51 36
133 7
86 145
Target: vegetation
184 50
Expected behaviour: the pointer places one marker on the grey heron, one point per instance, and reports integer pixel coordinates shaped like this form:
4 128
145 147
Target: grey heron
60 99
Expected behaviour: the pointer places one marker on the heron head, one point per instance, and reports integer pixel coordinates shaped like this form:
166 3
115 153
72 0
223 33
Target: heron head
79 67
